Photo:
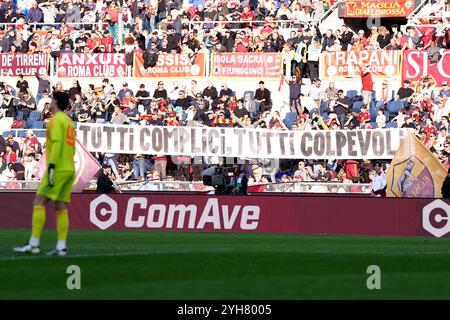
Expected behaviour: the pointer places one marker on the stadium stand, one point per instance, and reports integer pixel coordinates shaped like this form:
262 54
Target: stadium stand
297 30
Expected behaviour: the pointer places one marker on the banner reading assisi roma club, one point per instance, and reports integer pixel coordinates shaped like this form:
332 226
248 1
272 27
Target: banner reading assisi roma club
345 64
170 65
378 8
239 142
104 65
247 65
416 65
414 172
26 64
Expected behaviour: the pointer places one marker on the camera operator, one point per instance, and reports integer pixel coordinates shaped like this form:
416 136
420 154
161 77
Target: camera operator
104 180
219 177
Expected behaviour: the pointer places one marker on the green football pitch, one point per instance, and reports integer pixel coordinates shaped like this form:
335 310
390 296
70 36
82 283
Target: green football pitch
175 265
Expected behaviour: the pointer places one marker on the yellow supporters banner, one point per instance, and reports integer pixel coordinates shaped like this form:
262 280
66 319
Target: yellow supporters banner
414 172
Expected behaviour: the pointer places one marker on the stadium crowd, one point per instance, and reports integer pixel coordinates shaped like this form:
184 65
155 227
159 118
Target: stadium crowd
161 26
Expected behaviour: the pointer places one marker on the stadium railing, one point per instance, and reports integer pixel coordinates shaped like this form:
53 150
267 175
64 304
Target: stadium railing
282 187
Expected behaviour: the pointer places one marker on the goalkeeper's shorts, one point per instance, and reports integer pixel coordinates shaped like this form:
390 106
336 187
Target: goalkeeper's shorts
62 189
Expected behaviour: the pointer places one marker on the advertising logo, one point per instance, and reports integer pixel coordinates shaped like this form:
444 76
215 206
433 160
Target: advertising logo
106 216
139 213
435 218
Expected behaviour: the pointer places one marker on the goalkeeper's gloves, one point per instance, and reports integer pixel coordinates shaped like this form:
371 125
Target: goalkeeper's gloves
51 174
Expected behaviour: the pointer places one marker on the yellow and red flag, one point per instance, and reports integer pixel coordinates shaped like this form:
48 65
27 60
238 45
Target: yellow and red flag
415 172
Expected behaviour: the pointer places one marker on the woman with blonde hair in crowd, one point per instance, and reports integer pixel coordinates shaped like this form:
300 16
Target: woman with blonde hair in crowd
384 38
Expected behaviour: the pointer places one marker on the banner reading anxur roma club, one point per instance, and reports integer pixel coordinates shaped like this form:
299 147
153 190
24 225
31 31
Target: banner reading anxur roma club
414 172
247 65
345 64
171 65
378 8
240 142
104 65
26 64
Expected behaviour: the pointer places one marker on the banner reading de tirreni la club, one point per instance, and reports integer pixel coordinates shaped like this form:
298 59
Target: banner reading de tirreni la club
378 8
247 65
239 142
26 64
171 65
343 64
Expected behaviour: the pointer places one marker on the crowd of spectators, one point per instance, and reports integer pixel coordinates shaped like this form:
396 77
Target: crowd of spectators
185 26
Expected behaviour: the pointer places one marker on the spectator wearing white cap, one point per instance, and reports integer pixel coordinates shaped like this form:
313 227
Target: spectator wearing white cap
445 91
31 144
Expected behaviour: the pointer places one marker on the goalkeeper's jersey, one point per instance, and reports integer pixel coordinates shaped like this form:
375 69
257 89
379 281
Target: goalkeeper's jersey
60 142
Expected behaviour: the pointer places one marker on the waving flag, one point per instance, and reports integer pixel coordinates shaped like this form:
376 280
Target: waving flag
414 172
86 166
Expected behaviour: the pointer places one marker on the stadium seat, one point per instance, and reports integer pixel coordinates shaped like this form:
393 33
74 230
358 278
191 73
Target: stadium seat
7 133
374 125
251 93
391 125
38 125
374 107
21 133
35 115
30 123
289 119
19 115
40 134
393 107
352 93
357 106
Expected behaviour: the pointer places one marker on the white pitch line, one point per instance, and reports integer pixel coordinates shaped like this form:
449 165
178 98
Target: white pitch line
205 250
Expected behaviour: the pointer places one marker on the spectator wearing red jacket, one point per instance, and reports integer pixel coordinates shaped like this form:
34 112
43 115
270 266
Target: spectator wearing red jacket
107 41
367 84
9 156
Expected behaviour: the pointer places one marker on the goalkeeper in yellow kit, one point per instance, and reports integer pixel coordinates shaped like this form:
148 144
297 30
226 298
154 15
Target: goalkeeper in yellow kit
57 182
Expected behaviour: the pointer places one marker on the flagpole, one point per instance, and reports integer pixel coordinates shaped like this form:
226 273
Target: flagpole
117 187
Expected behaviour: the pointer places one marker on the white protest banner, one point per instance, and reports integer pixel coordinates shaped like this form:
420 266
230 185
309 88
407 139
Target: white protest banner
239 142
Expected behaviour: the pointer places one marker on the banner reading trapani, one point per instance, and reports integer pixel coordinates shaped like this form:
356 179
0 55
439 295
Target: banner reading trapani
345 64
239 142
14 64
104 65
171 65
416 65
378 8
247 65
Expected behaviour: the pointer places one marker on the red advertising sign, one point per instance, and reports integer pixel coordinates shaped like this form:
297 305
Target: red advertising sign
345 64
416 65
247 65
14 64
268 213
171 65
378 8
92 65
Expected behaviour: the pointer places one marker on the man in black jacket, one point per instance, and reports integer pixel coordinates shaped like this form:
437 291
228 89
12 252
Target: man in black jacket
345 38
104 182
